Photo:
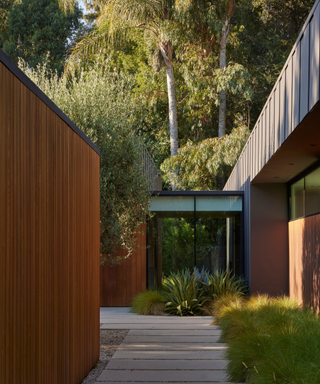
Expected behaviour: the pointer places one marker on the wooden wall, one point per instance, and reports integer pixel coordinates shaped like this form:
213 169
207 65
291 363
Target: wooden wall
49 242
121 283
304 260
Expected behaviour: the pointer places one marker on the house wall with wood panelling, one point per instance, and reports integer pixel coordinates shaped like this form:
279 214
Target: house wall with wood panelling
49 239
119 284
304 260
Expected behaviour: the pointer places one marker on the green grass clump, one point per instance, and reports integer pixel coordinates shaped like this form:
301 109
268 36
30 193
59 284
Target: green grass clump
271 340
150 302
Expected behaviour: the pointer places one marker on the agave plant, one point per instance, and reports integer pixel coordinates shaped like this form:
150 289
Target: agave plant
183 293
222 283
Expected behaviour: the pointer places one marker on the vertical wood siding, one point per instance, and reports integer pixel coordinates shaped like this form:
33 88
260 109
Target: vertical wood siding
121 283
304 260
49 243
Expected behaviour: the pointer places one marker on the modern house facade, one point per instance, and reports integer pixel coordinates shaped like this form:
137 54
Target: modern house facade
279 173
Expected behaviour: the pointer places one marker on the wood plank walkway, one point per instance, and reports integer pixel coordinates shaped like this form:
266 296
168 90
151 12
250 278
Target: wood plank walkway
164 349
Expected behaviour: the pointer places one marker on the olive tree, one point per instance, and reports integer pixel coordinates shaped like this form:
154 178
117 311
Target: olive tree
100 103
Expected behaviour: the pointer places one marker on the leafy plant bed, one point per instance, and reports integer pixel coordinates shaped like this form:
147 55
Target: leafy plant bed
187 293
271 340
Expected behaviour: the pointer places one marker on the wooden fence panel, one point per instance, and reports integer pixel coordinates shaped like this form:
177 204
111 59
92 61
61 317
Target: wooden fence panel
304 260
121 283
49 241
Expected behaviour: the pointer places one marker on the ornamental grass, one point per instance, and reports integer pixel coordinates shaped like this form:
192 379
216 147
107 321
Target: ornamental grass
271 340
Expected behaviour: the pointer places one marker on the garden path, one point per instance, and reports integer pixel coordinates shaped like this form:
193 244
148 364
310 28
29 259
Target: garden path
164 349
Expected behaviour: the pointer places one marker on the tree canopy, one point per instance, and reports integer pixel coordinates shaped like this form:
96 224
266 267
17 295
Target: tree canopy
38 31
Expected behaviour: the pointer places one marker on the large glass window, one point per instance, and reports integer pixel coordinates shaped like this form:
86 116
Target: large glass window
297 199
305 195
198 230
312 192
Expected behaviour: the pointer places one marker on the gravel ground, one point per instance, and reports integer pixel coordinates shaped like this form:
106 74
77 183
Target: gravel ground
110 341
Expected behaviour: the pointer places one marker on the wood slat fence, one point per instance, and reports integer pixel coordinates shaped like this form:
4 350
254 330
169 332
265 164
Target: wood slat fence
49 240
121 283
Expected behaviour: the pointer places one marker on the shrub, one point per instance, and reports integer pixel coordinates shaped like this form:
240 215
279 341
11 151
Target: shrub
183 293
99 101
270 340
150 302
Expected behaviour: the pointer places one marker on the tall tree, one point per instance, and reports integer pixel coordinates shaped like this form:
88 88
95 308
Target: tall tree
210 23
38 31
224 37
156 18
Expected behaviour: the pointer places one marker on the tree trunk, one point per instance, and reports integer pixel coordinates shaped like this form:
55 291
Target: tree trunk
166 49
223 63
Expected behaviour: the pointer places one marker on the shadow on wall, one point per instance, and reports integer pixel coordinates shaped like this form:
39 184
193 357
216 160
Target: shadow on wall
304 256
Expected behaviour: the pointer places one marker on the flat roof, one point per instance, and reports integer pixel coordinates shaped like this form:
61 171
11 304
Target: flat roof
198 193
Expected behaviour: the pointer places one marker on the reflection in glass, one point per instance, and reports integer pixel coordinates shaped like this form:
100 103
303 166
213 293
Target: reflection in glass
297 199
312 192
188 231
177 244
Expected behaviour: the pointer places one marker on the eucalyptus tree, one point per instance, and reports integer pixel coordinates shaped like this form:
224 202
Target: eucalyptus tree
209 21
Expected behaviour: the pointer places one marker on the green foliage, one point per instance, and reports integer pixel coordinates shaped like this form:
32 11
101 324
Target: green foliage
200 165
183 294
100 103
5 6
221 283
261 39
177 244
37 28
270 340
150 302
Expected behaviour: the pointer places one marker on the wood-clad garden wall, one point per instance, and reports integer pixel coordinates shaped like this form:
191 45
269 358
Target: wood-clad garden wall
121 283
49 241
304 260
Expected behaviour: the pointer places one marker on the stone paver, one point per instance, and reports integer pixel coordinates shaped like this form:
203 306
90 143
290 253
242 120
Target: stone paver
172 339
153 326
164 349
174 332
173 355
167 346
159 376
167 364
